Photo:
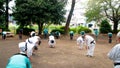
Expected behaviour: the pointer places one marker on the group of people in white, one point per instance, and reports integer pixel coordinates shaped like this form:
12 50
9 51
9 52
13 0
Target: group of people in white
113 54
31 44
27 47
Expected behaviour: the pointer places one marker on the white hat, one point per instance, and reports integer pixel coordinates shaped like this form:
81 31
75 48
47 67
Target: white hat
22 46
118 34
32 33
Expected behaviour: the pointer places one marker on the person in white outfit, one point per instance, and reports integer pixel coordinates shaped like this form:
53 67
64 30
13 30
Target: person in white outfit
80 42
114 53
51 41
22 46
32 44
90 44
37 39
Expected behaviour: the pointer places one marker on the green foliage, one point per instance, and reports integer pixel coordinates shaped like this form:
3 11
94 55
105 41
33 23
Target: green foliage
100 9
2 14
81 28
105 27
39 11
54 28
62 27
73 29
60 30
26 31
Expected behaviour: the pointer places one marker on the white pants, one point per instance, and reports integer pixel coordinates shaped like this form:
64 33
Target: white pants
117 66
51 44
90 51
81 45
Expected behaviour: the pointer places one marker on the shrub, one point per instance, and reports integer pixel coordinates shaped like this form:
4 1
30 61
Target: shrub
105 27
81 28
26 31
60 30
73 29
62 27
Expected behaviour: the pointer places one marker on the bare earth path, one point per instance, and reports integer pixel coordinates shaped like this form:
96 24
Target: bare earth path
65 55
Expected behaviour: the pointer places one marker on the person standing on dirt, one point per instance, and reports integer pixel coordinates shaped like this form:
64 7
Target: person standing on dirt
45 32
96 32
90 44
109 37
19 60
57 34
4 35
71 35
114 53
20 33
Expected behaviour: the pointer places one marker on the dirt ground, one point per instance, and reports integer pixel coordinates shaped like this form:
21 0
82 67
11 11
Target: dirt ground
66 54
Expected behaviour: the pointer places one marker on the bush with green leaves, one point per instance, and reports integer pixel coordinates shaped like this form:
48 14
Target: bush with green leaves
60 30
2 26
73 29
81 28
26 31
105 27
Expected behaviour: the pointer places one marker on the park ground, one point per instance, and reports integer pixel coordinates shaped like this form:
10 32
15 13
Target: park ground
66 54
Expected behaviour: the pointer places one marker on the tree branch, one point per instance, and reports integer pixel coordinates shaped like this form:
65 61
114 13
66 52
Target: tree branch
108 16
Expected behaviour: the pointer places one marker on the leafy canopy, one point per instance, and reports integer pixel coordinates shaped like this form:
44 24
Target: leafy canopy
39 11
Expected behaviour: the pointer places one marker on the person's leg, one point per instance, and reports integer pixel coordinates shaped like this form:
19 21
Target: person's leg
92 47
88 51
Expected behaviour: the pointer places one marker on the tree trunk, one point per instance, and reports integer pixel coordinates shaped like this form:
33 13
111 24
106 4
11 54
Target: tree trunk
40 26
6 25
69 17
115 26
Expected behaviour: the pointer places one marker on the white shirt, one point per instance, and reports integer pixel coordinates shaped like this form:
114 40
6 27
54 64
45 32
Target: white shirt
4 32
89 39
114 53
32 41
79 40
51 38
118 34
36 40
21 46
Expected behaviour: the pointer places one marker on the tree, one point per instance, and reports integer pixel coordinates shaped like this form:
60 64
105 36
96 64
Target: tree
69 17
98 9
2 14
39 11
105 27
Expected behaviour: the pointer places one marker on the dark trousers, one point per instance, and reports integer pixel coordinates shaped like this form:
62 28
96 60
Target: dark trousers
3 36
110 39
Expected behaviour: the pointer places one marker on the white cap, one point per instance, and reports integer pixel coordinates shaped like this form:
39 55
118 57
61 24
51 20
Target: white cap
33 32
22 46
118 34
